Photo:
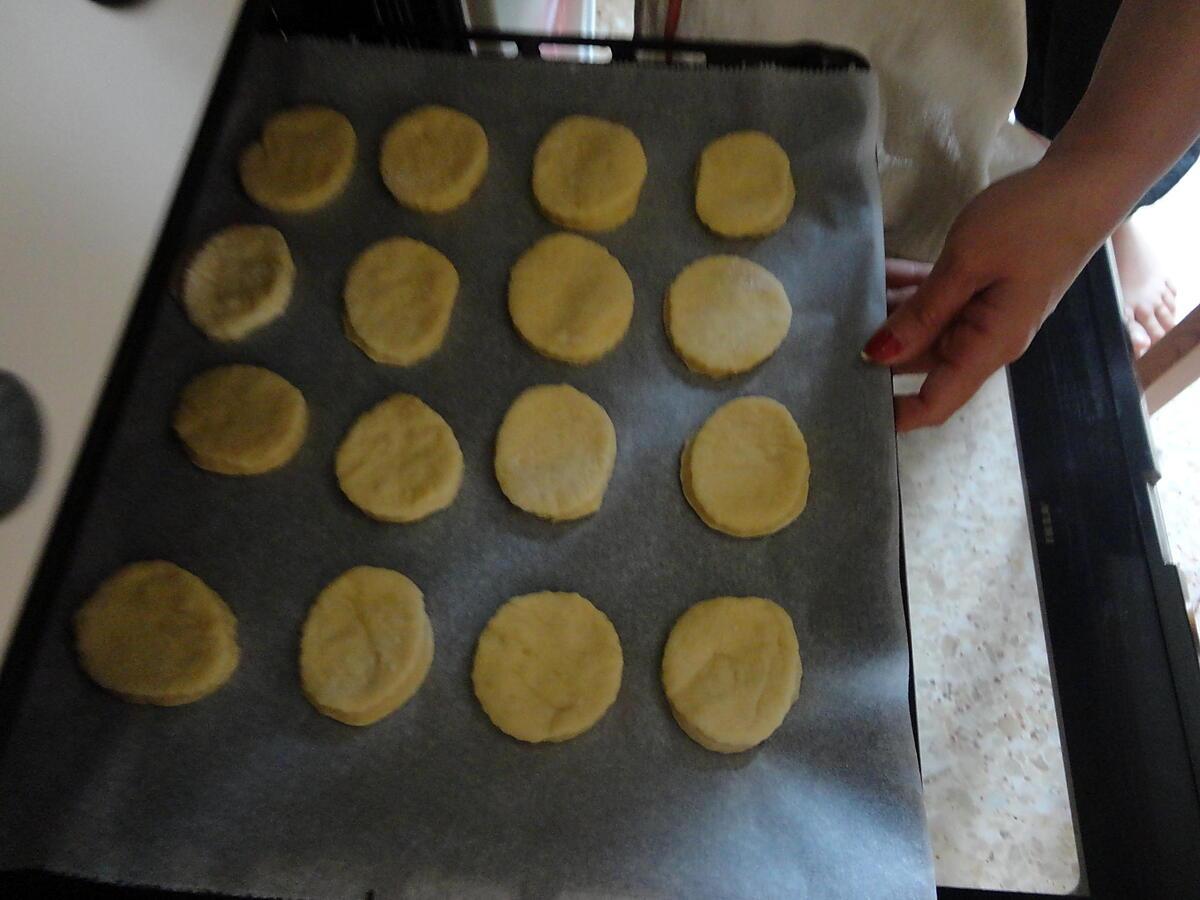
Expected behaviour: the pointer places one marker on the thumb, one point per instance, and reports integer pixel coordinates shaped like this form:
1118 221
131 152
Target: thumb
916 324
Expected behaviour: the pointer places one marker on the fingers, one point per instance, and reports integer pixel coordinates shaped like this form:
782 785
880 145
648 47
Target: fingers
899 296
900 273
960 370
916 324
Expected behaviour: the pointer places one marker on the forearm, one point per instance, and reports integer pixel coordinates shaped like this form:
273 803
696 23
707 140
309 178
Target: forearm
1140 112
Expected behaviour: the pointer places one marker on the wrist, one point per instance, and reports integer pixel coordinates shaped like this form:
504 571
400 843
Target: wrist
1103 184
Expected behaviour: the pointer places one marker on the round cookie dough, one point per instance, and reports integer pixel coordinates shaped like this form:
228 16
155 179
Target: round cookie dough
731 671
399 295
588 173
400 462
302 161
433 158
366 645
155 633
725 315
744 185
547 667
745 472
240 280
555 452
241 420
570 299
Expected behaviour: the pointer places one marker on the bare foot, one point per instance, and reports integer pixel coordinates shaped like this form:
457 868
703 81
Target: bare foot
1149 295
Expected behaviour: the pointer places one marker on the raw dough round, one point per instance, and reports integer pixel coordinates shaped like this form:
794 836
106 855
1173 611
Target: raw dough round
303 160
744 185
555 452
155 633
731 670
433 158
366 645
745 472
399 296
400 462
547 667
570 299
725 315
588 173
241 420
239 281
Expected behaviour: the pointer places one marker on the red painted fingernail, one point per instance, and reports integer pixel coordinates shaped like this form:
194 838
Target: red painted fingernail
882 347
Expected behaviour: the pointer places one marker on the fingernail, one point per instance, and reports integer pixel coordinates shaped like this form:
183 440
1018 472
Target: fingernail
882 347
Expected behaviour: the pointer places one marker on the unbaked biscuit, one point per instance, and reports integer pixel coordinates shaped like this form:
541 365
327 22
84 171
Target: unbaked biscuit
399 296
366 645
433 158
239 281
155 633
746 471
302 161
547 666
240 420
731 671
744 185
588 173
726 315
400 461
555 452
570 299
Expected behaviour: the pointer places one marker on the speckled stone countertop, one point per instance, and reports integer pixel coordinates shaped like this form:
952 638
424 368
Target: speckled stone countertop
996 794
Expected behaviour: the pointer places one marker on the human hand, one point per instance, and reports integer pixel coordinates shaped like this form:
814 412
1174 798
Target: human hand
1007 261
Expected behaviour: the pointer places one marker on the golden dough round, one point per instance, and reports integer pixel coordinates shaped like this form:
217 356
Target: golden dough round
155 633
241 420
433 158
745 472
547 666
725 315
399 295
744 185
302 161
570 299
239 281
366 645
400 462
731 671
555 452
588 173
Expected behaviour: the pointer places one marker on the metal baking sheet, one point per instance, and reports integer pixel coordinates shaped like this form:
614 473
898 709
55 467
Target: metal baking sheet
251 791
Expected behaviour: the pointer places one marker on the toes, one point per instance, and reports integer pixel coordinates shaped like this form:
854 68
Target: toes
1165 314
1138 338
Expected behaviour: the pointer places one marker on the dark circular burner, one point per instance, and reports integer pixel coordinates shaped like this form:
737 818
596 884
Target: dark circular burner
20 442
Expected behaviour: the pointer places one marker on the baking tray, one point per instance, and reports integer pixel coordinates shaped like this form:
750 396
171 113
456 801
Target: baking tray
251 791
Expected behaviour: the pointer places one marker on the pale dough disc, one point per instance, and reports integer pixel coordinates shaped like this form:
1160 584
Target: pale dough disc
547 667
366 645
400 462
731 671
744 185
433 158
241 420
570 299
588 173
745 472
399 295
155 633
302 161
555 452
725 315
239 281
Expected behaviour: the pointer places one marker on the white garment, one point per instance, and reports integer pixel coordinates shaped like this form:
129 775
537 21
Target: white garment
949 75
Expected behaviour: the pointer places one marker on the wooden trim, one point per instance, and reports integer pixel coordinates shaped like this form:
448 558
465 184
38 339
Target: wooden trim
1172 364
